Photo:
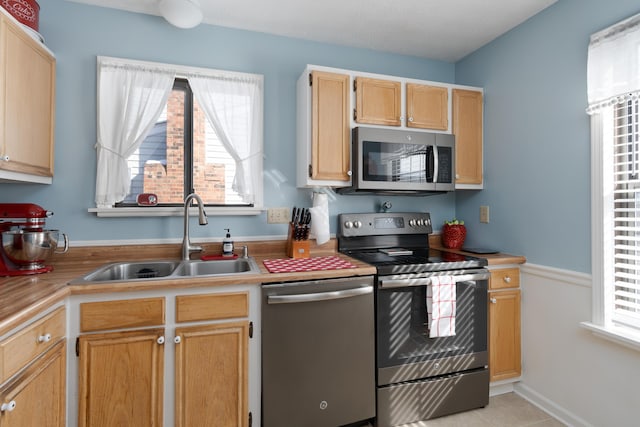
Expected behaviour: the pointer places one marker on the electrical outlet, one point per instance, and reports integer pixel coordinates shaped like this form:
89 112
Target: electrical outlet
277 215
484 214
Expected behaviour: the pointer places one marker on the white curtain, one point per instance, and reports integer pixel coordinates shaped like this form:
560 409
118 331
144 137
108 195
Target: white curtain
613 72
130 100
234 106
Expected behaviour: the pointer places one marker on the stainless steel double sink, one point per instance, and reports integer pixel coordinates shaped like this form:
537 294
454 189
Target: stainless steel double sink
158 270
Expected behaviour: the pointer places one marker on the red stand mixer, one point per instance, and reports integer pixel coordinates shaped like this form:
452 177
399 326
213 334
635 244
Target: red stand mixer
26 245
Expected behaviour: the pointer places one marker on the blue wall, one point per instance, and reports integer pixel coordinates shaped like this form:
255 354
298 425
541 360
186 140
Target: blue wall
77 33
536 136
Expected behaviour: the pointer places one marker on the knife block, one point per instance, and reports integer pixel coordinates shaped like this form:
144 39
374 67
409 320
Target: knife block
296 248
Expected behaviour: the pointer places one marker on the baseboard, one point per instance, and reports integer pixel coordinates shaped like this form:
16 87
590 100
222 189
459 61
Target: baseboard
501 387
549 406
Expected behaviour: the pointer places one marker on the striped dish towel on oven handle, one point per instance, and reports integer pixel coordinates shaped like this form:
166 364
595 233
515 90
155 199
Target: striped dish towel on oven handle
441 306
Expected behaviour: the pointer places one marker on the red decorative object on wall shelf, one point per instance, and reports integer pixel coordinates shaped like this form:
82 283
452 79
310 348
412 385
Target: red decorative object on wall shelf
25 11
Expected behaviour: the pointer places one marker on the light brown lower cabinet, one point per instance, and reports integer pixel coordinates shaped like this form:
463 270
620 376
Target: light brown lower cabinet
36 396
211 375
121 374
504 325
121 379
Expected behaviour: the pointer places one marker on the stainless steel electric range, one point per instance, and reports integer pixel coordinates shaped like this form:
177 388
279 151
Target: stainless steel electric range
419 377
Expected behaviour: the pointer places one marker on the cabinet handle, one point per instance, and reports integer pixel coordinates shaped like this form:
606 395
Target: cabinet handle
349 173
8 407
493 300
410 119
5 158
177 339
44 338
160 340
507 279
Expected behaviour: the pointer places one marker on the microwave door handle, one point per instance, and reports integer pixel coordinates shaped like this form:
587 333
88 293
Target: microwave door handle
435 164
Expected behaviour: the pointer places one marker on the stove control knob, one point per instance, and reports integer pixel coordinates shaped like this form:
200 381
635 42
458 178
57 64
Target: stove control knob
412 223
357 224
420 222
348 224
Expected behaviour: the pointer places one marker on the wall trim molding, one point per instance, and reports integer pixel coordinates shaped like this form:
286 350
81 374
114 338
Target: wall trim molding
558 274
547 405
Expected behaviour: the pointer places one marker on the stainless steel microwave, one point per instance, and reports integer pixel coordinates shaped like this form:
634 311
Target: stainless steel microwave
395 161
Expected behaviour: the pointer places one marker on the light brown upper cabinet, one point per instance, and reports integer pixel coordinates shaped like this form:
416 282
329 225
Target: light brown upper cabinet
330 149
467 128
377 101
427 107
323 128
27 105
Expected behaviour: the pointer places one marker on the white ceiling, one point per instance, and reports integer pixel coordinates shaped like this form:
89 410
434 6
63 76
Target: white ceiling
445 30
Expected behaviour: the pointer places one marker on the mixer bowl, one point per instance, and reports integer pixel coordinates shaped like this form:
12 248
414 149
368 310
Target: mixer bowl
29 250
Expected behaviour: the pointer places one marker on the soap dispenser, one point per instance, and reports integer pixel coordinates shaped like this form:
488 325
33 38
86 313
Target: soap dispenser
227 244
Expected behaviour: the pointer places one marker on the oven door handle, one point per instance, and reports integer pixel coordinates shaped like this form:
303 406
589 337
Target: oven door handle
319 296
422 281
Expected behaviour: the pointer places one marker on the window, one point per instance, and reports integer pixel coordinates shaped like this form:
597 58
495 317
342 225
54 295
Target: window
172 130
626 214
614 107
182 154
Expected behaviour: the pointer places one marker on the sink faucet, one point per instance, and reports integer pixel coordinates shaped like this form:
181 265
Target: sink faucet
187 247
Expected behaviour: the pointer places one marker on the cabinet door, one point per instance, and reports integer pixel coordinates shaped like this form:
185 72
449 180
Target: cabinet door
377 102
211 375
427 107
121 381
467 128
504 335
27 102
37 396
330 148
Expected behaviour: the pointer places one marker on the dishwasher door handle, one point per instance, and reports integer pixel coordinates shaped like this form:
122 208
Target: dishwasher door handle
320 296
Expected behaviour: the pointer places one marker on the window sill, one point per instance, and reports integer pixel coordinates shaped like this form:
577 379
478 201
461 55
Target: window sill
158 211
618 334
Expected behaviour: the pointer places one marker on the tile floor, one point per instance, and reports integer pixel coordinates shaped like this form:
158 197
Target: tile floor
504 410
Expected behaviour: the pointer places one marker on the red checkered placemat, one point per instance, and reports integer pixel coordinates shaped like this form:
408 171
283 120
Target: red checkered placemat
290 265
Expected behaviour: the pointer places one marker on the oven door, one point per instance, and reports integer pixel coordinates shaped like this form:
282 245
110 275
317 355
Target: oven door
404 350
403 161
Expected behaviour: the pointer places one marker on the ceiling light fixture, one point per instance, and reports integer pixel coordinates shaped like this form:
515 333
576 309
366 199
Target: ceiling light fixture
181 13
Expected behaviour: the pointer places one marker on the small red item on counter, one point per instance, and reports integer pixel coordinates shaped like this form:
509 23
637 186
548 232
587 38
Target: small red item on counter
217 257
453 235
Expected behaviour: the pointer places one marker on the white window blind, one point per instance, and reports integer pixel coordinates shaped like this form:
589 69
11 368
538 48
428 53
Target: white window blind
626 210
613 91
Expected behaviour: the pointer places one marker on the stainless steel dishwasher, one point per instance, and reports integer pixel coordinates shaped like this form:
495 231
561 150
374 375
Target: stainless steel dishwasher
318 353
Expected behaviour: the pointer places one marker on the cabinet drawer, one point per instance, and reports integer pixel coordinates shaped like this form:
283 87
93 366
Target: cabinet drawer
191 308
131 313
505 278
26 344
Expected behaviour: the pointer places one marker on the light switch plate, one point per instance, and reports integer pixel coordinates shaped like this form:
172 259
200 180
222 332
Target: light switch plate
484 214
277 215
